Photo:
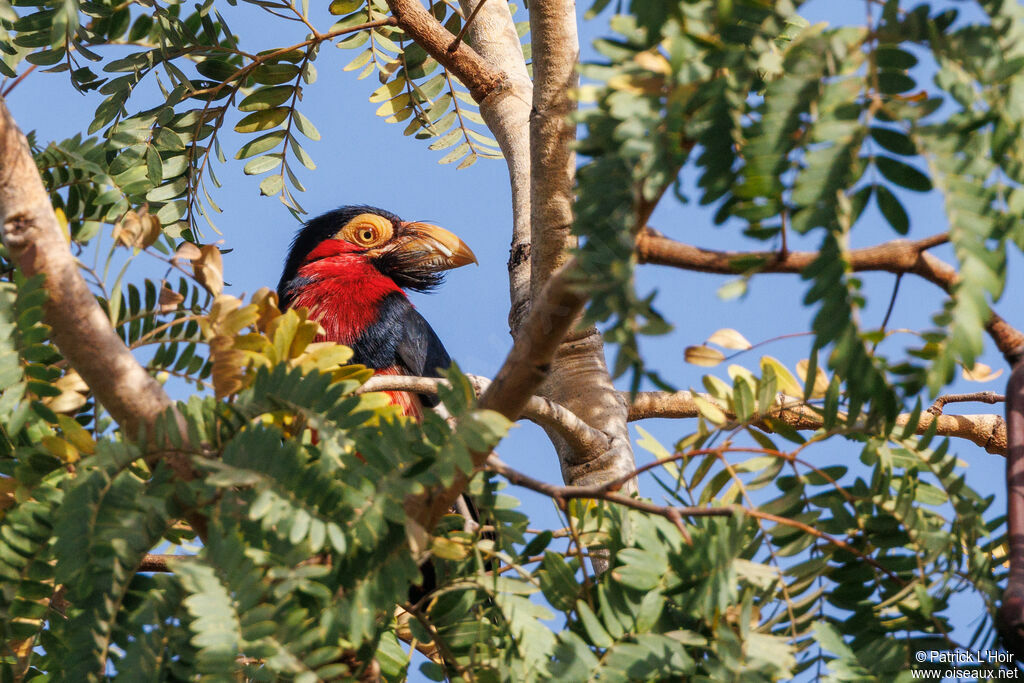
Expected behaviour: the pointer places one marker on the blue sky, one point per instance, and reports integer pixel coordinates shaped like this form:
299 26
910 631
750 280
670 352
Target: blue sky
362 159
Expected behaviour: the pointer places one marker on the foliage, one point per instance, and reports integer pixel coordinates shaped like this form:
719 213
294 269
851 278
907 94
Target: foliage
309 553
796 127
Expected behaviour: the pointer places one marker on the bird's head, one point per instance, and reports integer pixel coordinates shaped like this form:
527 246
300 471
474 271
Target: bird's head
365 243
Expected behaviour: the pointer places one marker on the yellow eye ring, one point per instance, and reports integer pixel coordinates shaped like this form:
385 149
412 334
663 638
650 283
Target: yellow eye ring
367 230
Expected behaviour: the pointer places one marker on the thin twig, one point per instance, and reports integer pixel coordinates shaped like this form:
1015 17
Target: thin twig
562 494
989 397
465 26
18 80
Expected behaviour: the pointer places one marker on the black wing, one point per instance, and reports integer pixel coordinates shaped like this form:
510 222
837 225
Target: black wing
419 348
421 351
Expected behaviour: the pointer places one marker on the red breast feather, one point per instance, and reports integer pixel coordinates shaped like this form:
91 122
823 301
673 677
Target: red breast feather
343 291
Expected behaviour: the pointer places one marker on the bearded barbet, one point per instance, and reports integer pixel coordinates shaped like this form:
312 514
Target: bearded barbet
351 268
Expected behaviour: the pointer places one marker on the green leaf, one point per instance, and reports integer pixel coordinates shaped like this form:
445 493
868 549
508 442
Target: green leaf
273 74
892 209
261 144
262 120
267 98
216 69
903 174
894 141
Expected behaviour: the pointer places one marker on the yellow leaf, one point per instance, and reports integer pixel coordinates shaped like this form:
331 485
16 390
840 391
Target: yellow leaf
265 300
393 105
653 446
740 371
228 366
283 331
980 373
325 356
709 410
820 378
60 448
352 373
448 549
637 84
652 60
304 336
729 338
718 387
62 221
703 355
578 507
786 381
77 435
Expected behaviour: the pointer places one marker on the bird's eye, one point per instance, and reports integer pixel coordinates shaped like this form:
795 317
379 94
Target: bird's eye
367 230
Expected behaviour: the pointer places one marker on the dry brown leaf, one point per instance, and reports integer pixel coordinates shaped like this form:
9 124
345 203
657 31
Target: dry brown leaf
73 391
187 252
820 378
8 485
980 373
169 299
228 366
729 338
703 355
137 229
209 268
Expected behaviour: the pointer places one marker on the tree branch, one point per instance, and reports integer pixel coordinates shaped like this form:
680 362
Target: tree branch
157 563
526 366
897 256
579 377
539 410
81 329
507 114
1010 617
978 396
562 494
478 75
985 430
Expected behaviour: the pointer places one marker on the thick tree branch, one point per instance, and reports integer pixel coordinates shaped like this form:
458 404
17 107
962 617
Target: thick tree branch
987 431
897 256
552 134
507 114
526 366
472 70
1010 618
81 329
578 377
538 409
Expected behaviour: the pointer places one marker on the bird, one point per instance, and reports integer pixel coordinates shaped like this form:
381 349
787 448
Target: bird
351 268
